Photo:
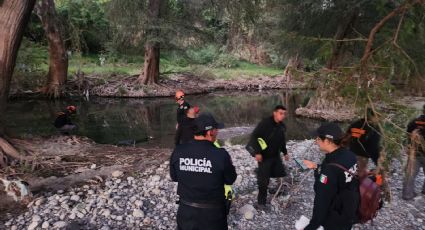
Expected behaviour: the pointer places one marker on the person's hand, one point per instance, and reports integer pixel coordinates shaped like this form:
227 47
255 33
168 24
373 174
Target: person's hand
258 157
310 164
177 126
287 157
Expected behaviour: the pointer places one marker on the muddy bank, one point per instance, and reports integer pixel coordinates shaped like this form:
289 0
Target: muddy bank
128 86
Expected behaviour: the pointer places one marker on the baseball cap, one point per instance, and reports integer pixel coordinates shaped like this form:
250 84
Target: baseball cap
329 130
205 122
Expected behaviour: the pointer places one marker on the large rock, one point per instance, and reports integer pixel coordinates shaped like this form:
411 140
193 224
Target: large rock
117 173
138 213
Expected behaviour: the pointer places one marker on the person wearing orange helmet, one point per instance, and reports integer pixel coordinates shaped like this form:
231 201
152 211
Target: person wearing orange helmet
183 106
63 120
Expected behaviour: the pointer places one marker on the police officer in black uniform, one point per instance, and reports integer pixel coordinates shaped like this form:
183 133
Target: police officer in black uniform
416 130
266 143
333 176
364 140
202 170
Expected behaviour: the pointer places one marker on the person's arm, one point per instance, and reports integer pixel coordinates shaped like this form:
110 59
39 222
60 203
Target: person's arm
178 135
255 135
229 170
283 146
173 170
326 190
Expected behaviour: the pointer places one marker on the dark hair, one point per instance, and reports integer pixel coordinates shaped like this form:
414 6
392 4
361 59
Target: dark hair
278 107
336 142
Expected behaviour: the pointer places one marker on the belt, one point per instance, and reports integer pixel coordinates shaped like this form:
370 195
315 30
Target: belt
201 205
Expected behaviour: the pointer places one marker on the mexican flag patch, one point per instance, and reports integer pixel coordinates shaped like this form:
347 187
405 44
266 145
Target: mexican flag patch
323 179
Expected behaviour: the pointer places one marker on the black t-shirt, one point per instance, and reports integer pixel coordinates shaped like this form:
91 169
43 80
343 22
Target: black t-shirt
201 170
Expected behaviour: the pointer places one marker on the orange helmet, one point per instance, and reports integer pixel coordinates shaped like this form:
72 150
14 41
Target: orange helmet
179 95
71 108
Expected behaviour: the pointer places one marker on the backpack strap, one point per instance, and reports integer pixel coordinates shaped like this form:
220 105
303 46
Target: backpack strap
343 168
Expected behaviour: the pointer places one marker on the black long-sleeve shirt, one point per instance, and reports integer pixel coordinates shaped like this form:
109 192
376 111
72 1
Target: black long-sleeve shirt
201 170
273 134
368 144
329 180
181 111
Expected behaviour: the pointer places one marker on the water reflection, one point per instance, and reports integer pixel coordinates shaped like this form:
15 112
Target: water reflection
152 121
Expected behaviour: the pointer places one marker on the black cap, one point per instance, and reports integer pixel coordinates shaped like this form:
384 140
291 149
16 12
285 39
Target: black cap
205 122
329 130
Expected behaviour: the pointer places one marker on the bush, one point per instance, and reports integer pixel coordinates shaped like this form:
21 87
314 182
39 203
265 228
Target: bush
203 56
226 61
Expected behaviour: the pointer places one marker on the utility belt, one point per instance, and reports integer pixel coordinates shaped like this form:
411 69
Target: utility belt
202 205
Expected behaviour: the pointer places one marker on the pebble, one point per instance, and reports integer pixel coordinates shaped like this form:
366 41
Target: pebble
60 224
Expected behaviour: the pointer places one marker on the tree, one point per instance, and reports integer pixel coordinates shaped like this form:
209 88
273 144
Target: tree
150 72
58 58
14 16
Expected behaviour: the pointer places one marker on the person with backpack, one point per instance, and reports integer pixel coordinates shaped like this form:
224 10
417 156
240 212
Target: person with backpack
336 198
416 160
364 140
266 143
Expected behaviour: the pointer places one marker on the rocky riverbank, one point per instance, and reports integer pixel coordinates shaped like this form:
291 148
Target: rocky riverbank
146 200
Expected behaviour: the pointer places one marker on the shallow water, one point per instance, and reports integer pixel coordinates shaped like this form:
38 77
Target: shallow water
152 121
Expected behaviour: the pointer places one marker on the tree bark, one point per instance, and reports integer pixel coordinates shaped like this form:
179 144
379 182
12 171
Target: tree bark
14 16
150 72
341 33
58 58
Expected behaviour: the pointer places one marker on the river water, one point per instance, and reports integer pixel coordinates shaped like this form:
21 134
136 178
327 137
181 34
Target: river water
151 122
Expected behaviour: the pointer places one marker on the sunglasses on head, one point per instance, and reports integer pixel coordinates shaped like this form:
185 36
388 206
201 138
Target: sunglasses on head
179 98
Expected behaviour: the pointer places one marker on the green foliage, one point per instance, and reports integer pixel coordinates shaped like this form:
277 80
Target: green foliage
86 27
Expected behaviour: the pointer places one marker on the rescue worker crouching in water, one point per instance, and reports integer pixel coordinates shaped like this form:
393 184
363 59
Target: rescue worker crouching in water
201 171
266 143
63 120
331 209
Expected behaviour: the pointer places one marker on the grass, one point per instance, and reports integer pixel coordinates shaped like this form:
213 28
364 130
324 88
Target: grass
33 61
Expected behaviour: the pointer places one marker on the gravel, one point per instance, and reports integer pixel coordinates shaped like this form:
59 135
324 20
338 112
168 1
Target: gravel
147 200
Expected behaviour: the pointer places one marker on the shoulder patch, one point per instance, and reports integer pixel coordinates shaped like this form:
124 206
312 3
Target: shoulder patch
323 179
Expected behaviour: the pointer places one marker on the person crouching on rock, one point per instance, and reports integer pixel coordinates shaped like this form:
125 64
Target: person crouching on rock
201 171
266 143
63 120
336 191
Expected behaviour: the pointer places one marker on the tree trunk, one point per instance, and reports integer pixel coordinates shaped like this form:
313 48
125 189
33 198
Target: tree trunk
341 33
14 16
150 72
58 59
294 63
